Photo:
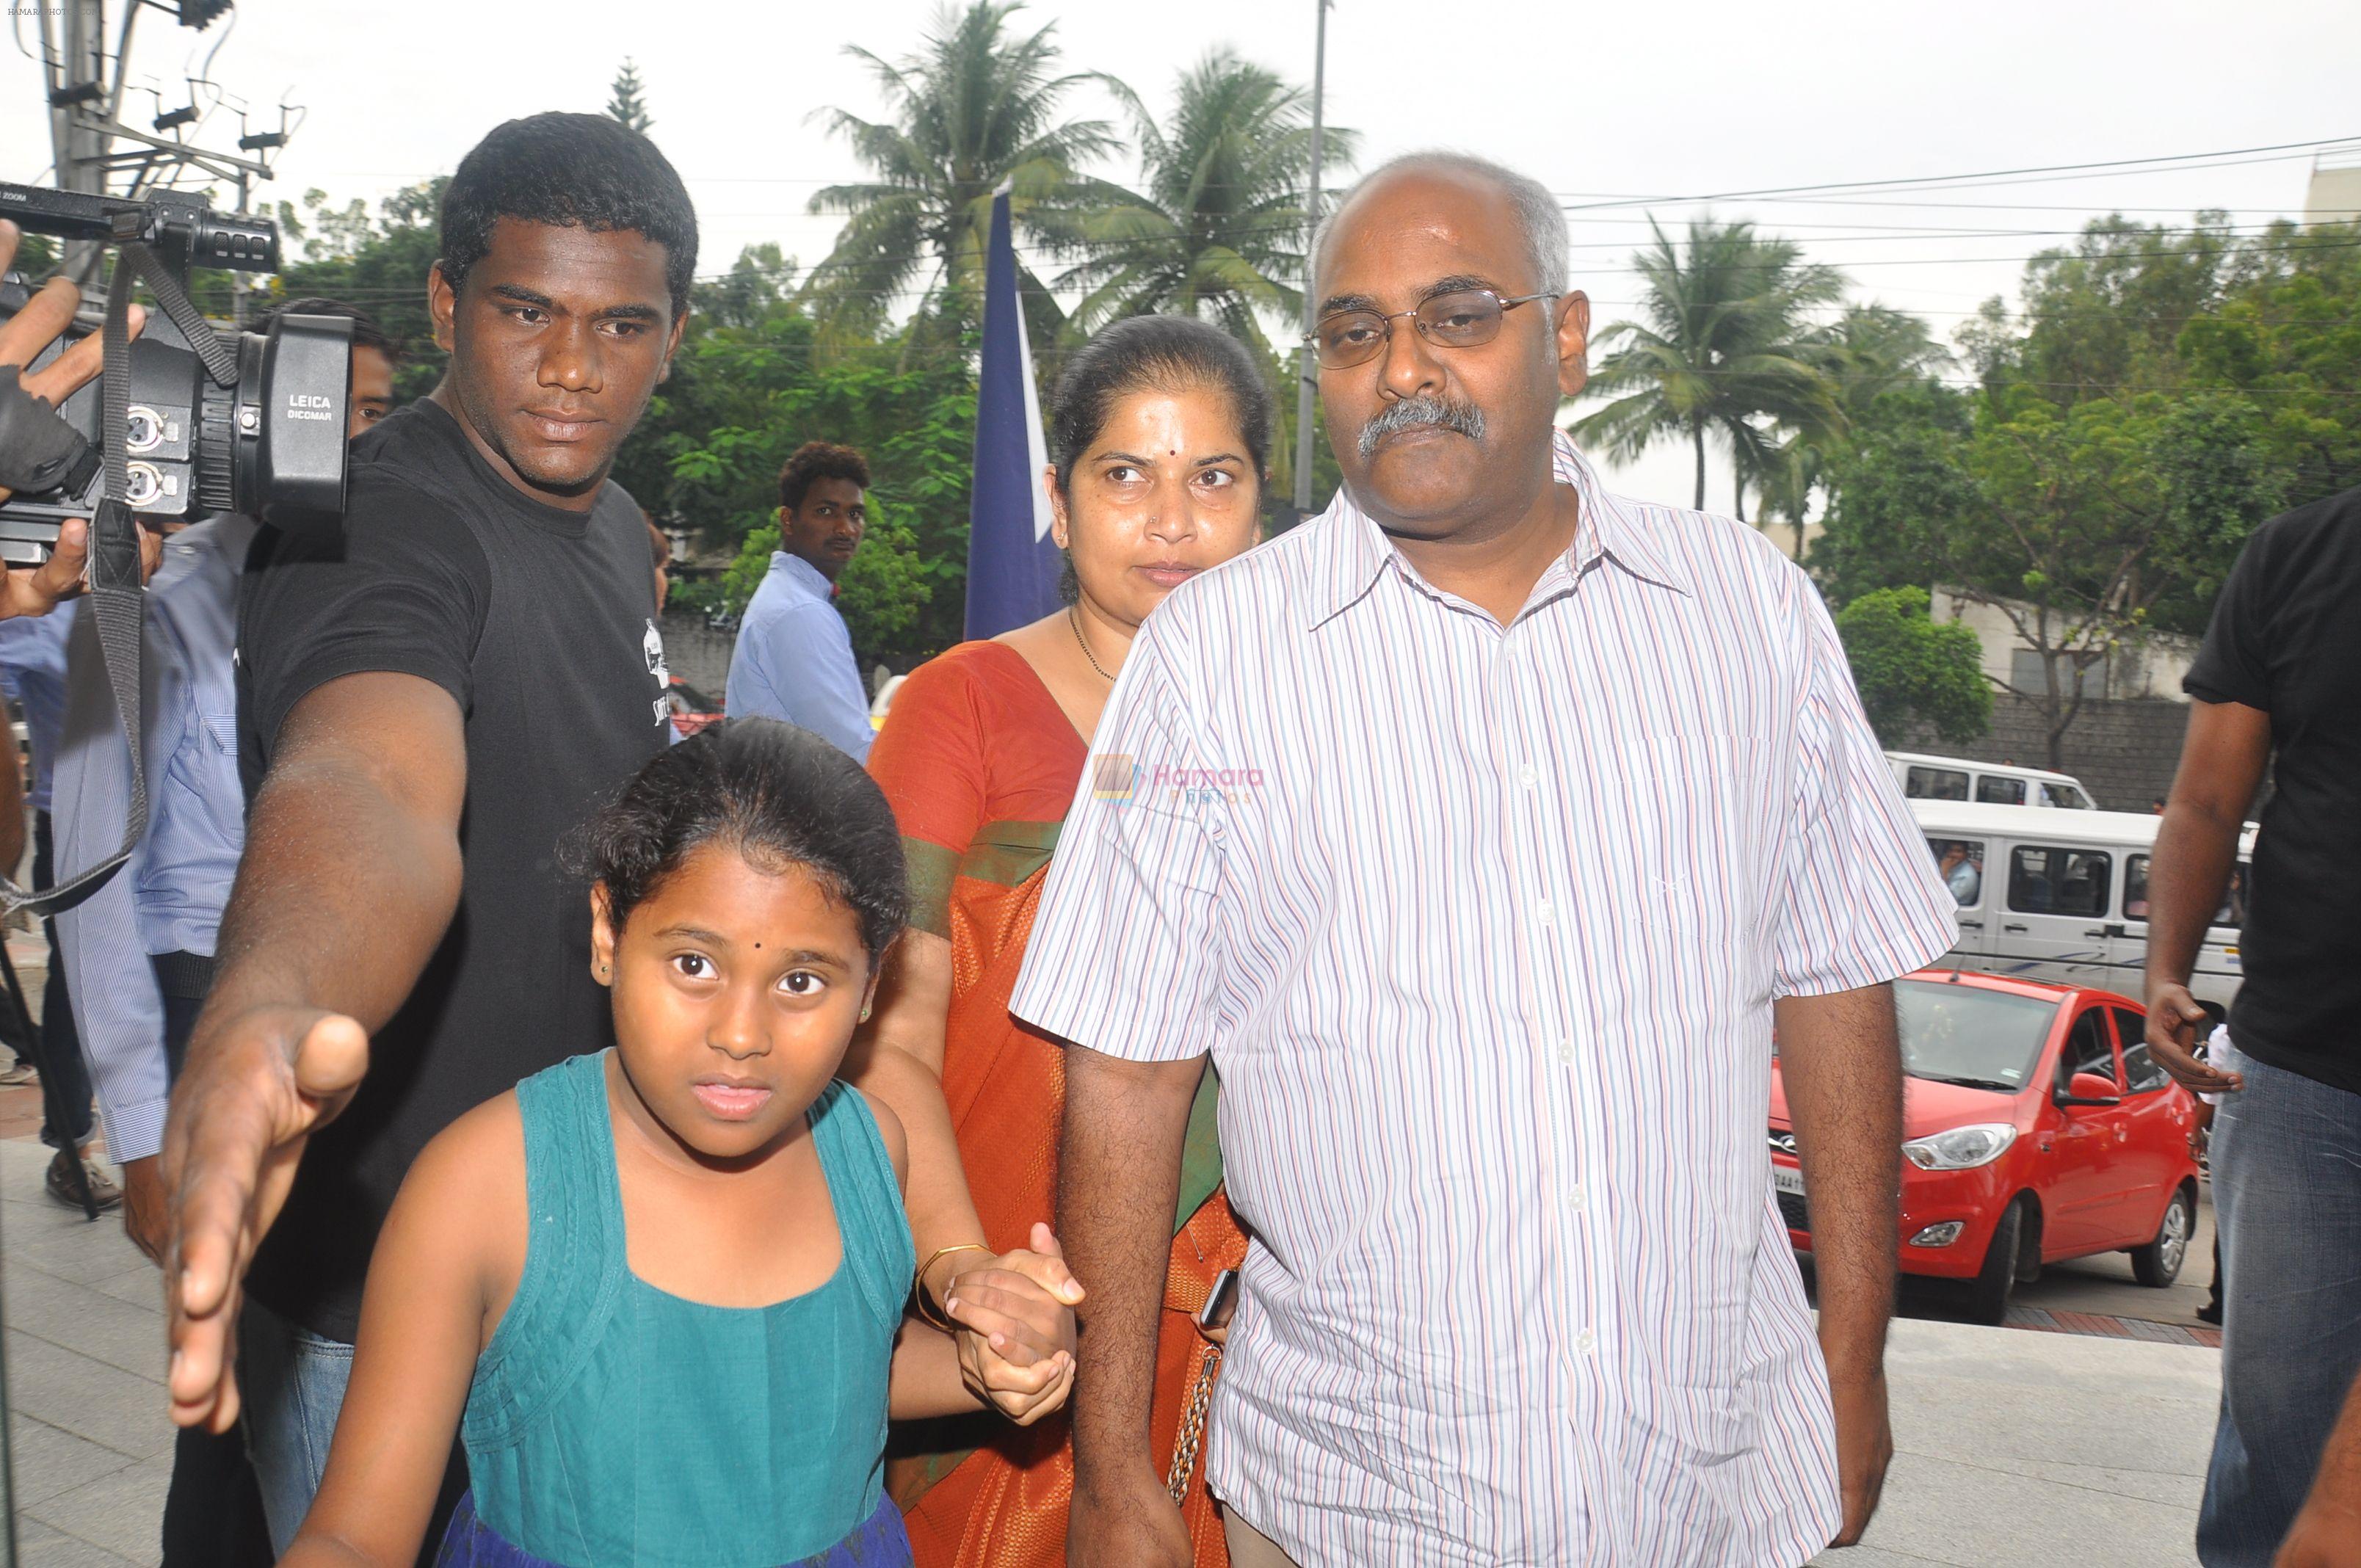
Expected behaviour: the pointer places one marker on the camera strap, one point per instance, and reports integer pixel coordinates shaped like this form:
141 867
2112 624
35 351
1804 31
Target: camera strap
115 588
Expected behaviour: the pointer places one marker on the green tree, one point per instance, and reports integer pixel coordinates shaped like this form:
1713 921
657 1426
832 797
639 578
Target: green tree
2288 335
379 265
978 106
1723 349
1899 485
743 395
627 100
1870 353
2090 526
1912 670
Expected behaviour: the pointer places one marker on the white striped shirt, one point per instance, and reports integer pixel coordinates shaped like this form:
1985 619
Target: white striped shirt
1482 926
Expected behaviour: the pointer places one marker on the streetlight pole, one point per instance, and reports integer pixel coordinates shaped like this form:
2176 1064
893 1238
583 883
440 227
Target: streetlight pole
1307 365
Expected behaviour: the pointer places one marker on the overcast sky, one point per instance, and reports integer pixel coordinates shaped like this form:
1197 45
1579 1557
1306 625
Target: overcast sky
1605 104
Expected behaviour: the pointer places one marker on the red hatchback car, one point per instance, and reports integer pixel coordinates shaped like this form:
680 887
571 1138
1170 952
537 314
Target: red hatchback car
2035 1128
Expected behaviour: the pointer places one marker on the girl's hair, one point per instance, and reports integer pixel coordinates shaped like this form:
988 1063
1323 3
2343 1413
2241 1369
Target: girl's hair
778 795
1160 354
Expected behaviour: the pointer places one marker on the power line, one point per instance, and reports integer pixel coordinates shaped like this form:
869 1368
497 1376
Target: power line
1903 184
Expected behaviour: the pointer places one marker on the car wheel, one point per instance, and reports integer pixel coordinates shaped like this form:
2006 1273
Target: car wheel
2157 1264
1988 1293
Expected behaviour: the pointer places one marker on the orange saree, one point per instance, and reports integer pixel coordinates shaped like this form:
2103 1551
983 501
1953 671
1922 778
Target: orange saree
980 765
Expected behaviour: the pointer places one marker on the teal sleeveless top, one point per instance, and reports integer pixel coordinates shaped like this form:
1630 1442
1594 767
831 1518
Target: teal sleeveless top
611 1423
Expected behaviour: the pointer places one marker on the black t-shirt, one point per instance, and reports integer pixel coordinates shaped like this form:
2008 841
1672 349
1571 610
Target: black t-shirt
2286 639
540 622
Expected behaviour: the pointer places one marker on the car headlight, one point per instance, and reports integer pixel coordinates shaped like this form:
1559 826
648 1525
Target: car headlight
1962 1148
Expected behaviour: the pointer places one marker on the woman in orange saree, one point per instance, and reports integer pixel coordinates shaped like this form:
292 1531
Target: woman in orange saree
1158 436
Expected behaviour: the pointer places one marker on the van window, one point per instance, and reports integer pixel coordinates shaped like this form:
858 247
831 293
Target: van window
1961 863
1935 784
2232 915
2065 796
1998 789
2043 880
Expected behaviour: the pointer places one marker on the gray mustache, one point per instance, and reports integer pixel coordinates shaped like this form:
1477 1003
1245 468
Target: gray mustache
1418 413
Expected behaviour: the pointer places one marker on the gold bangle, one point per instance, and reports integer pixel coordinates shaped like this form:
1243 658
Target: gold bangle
927 1311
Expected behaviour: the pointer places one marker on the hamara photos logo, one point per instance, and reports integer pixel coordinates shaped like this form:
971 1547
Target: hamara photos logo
1120 778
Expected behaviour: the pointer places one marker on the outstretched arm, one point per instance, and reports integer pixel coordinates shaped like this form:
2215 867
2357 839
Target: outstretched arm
1841 1064
1118 1182
350 876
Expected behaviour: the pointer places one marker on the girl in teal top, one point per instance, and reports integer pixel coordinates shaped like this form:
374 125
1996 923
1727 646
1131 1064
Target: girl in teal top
658 1290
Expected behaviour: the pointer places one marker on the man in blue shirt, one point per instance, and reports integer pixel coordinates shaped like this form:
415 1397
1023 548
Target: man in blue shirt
793 659
138 952
33 671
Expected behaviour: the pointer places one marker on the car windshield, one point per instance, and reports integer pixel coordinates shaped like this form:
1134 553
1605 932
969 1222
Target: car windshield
1964 1033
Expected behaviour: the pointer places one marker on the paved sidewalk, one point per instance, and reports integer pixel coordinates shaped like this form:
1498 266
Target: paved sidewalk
2038 1449
90 1445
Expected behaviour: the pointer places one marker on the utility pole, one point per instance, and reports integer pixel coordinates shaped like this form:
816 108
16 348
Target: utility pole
86 117
1308 364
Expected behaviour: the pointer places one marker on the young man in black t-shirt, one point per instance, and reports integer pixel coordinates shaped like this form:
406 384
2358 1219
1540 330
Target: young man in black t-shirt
2277 681
429 696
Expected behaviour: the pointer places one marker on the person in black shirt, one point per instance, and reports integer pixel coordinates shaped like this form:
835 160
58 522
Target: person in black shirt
2277 682
429 696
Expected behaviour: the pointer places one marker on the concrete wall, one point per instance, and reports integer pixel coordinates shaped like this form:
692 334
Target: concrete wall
2125 752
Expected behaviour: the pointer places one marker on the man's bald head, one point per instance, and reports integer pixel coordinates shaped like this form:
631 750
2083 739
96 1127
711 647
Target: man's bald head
1530 205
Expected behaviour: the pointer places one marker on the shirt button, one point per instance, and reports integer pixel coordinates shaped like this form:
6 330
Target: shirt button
1577 1200
1529 777
1548 915
1565 1052
1586 1342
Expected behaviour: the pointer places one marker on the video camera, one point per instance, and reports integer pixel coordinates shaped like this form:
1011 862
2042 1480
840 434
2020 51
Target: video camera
266 440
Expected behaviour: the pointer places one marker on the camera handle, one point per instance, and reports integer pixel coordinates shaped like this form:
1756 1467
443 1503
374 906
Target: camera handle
115 589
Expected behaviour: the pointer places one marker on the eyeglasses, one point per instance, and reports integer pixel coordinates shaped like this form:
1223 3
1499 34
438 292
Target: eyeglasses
1464 318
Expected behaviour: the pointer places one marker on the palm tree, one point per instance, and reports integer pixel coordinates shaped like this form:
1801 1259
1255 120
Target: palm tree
978 105
1217 228
1865 353
1724 349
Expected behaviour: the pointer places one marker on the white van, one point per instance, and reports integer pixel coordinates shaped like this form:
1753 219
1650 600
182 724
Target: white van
2052 896
1992 784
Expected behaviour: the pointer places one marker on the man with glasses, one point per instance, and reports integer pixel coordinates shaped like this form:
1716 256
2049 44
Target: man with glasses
1568 799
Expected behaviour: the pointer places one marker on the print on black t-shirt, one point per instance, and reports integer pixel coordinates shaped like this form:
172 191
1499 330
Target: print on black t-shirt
538 622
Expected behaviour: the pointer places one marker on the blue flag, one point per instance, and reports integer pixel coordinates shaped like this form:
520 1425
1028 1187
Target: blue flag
1012 562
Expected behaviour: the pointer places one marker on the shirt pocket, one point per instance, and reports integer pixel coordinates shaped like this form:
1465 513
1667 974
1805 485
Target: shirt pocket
209 765
1670 857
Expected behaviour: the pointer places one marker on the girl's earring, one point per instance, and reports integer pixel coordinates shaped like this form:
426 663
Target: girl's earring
865 1014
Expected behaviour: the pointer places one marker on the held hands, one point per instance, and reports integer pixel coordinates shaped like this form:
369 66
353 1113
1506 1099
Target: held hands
1016 1314
259 1083
2174 1023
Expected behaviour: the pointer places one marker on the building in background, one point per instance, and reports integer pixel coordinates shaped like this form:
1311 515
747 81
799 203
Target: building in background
2152 668
2334 193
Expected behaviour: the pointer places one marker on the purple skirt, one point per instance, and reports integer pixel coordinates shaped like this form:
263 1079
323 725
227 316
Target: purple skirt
879 1542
